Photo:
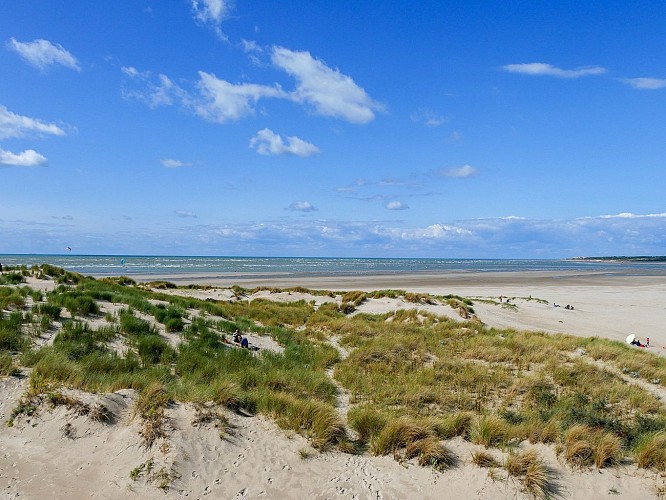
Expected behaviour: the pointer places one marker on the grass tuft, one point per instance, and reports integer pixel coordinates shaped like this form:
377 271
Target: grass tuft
432 452
650 451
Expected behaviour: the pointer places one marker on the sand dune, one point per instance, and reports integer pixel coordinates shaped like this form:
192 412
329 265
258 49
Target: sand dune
57 453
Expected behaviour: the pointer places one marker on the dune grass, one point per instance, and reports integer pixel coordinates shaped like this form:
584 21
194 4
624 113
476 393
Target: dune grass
536 477
415 379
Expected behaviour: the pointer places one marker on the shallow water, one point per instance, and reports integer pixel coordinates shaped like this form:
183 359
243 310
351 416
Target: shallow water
115 265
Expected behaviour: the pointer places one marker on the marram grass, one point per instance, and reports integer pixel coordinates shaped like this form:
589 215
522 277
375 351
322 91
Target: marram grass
415 379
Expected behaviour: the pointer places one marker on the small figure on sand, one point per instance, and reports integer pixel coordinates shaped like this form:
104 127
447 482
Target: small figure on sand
633 340
237 337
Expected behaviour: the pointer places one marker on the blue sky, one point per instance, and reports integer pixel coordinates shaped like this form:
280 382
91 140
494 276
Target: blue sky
311 128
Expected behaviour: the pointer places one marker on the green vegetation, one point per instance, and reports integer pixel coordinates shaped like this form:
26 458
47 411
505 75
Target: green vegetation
415 379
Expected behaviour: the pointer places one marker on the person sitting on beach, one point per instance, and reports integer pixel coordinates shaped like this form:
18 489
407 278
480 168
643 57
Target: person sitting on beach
244 343
237 337
647 342
637 343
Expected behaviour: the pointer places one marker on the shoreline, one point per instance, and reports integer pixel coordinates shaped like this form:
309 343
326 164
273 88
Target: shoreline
418 279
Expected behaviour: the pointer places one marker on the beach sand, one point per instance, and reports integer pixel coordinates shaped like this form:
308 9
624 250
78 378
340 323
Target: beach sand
605 305
57 454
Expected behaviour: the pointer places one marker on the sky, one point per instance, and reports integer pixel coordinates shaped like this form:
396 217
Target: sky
458 129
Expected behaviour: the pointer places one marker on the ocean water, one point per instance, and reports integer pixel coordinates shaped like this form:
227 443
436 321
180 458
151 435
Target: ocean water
116 265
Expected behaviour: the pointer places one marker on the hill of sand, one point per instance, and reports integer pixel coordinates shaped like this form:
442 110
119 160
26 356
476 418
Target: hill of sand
61 454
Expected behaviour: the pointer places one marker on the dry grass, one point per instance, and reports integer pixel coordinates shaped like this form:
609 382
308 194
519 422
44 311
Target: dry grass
607 450
578 446
150 406
398 434
432 452
536 477
484 459
650 451
584 446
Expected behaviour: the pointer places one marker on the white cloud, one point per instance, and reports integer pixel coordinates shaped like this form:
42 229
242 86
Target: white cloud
185 214
224 101
170 163
645 83
302 206
542 69
42 54
329 91
459 172
500 237
157 90
28 158
454 136
268 142
218 100
629 215
396 205
210 10
428 118
250 46
13 125
212 13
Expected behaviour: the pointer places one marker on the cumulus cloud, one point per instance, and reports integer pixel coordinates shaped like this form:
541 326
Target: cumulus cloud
302 206
13 125
225 101
396 205
645 83
171 163
328 91
185 214
459 172
42 54
267 142
28 158
543 69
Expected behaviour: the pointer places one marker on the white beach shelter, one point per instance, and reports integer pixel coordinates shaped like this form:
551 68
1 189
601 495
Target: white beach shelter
630 338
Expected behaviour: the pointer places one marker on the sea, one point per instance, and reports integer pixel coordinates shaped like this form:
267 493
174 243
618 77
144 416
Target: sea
128 265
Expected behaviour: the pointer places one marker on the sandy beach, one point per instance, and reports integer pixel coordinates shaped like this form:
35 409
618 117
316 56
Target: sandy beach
605 305
58 454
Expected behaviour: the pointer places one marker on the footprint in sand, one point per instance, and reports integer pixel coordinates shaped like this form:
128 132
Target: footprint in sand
241 494
239 460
